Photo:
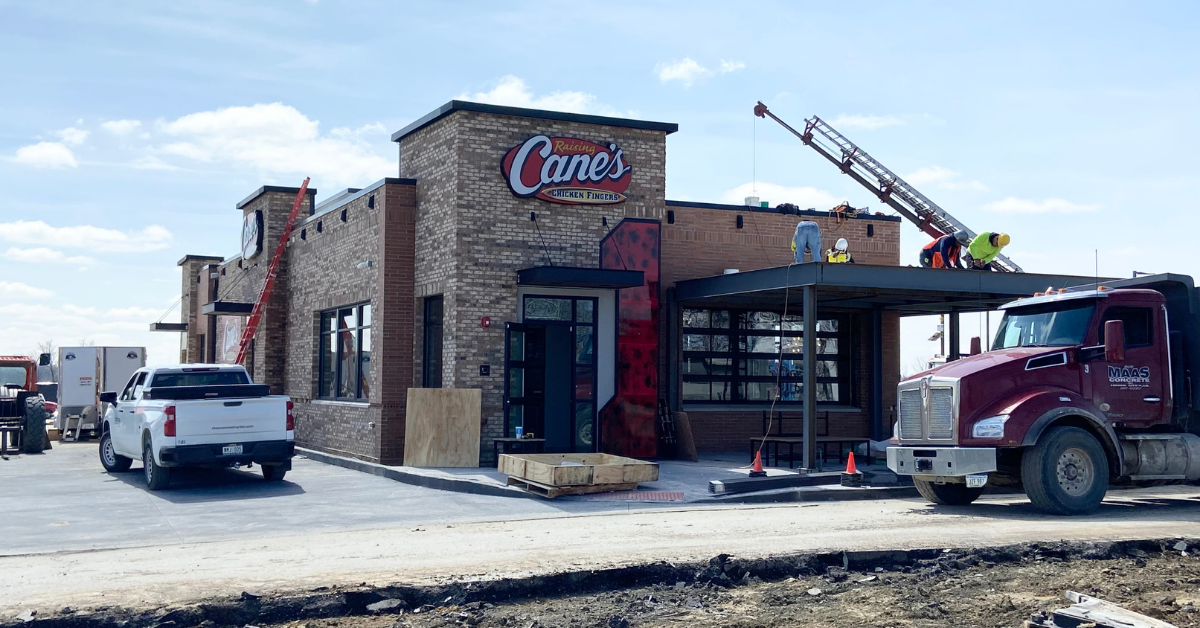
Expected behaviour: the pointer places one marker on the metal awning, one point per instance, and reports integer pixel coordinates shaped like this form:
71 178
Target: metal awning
572 277
911 291
168 326
226 307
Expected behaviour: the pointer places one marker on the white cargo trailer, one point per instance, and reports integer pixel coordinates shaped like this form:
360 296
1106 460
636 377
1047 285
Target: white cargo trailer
118 364
85 372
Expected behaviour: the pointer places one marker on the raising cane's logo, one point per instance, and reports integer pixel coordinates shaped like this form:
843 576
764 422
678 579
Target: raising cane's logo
567 170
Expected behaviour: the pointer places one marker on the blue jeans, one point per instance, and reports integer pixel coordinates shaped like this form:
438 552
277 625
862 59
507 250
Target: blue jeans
808 234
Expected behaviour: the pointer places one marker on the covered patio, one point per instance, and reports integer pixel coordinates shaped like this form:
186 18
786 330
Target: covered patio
872 291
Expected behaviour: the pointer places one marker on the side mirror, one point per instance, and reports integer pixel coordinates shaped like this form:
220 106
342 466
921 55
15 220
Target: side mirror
1114 341
44 359
108 397
976 345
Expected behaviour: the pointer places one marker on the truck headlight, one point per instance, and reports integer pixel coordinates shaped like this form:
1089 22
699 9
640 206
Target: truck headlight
991 427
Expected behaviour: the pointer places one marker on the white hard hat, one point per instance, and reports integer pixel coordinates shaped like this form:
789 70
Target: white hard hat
842 244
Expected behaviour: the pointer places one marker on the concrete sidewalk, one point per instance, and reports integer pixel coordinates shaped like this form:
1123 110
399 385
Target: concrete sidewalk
679 481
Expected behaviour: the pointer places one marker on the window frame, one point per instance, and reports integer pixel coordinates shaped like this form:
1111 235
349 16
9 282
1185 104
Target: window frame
736 372
324 334
428 374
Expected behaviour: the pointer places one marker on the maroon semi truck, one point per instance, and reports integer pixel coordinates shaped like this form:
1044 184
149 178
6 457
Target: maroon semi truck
1083 388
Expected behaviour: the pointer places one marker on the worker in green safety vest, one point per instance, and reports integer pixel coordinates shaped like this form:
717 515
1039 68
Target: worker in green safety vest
984 249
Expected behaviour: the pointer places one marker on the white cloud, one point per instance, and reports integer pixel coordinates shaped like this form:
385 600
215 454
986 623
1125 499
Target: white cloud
1013 205
46 155
944 178
86 237
43 255
865 123
72 135
276 139
512 91
688 71
121 127
804 197
18 290
150 162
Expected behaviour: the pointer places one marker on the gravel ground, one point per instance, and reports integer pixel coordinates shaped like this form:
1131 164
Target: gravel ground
955 591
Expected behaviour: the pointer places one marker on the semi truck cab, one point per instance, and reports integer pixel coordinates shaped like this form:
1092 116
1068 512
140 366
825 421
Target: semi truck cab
1082 388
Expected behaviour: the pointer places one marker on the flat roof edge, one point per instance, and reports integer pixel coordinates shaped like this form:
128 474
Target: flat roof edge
312 192
326 209
775 210
522 112
199 258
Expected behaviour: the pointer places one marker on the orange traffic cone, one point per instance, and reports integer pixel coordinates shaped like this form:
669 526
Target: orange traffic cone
757 471
851 478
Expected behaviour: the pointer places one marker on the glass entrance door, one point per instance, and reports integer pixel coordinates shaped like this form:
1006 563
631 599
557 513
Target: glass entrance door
524 379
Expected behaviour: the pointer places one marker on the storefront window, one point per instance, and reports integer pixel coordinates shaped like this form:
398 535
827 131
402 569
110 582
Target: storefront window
431 363
344 360
732 356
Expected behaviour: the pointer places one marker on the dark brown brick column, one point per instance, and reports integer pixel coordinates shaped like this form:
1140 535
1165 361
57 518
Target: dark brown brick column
393 329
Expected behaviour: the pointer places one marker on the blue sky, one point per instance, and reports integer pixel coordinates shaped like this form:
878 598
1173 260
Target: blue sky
129 131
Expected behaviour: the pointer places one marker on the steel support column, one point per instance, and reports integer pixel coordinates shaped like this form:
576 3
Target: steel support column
955 342
877 426
810 377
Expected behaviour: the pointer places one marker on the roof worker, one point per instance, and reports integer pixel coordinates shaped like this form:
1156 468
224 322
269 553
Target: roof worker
944 252
807 236
840 253
984 248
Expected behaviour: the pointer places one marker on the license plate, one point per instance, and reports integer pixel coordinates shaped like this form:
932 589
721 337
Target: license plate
976 481
236 450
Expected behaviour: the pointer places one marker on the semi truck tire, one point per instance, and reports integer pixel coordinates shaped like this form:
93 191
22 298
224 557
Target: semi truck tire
947 494
1066 472
157 478
112 461
33 441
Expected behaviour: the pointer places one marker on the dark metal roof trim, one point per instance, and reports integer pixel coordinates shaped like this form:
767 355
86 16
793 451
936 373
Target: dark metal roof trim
775 210
199 258
521 112
311 192
226 307
343 201
571 277
168 326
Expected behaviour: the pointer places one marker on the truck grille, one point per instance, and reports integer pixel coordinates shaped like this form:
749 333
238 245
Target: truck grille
928 419
940 422
910 414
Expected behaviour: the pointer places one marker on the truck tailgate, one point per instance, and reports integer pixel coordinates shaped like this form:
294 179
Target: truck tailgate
207 421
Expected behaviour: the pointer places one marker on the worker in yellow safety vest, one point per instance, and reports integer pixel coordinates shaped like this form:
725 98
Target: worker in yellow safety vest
840 253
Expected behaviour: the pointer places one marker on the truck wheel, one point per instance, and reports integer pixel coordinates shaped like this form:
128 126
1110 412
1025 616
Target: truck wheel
112 461
1066 472
272 473
157 477
33 441
947 494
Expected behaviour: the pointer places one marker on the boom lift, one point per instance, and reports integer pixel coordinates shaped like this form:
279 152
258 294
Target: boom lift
884 183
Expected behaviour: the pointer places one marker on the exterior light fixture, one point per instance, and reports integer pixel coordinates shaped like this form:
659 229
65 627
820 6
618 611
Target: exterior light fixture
366 264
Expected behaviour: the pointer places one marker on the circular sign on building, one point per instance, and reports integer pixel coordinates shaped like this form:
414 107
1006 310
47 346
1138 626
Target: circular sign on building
567 170
252 234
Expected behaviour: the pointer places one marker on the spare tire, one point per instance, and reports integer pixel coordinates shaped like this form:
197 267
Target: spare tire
33 441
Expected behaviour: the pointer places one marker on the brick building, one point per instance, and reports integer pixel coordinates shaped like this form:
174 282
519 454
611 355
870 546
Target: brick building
533 255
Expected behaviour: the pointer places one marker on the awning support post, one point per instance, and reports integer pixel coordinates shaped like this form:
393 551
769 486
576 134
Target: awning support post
810 376
877 426
955 341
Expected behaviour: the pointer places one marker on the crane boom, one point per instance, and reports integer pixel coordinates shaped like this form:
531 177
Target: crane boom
884 183
269 283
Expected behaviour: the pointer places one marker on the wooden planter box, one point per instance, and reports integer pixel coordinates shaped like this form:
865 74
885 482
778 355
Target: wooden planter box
579 470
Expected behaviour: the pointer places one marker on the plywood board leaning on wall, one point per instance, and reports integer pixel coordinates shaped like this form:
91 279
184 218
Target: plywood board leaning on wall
441 428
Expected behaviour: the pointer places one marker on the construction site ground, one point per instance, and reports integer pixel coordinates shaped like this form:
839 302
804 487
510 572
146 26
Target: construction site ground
337 540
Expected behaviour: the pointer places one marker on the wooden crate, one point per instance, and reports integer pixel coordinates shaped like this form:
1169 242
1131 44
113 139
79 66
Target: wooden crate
550 492
581 470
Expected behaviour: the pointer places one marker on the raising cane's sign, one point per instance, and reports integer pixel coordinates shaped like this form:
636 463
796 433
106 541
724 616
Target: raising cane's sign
567 170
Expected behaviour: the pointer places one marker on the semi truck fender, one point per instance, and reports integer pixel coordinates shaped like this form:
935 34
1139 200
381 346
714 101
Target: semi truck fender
1100 426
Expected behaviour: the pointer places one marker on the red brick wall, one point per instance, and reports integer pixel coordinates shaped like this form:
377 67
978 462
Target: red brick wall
394 325
705 241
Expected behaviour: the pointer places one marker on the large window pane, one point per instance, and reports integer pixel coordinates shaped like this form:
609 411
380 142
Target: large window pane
348 364
696 318
366 315
584 344
697 342
584 440
720 319
328 367
759 344
547 309
827 345
760 320
696 391
431 354
347 318
584 374
583 310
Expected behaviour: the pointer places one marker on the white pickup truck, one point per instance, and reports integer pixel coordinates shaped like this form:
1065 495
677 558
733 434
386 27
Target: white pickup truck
196 415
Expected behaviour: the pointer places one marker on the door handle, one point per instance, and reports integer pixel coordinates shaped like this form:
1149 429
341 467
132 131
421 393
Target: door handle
1151 399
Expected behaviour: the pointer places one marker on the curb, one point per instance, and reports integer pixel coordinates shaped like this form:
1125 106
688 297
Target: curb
785 496
404 477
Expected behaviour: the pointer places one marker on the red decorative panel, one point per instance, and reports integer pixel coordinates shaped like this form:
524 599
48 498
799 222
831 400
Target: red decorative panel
628 421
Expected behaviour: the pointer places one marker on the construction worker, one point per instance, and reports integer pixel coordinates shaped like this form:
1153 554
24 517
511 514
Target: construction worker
808 235
944 251
840 253
984 248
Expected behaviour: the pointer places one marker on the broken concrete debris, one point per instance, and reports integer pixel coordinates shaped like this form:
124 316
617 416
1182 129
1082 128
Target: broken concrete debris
1092 611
